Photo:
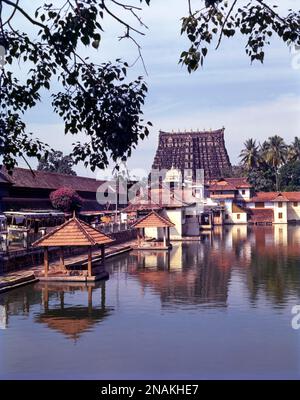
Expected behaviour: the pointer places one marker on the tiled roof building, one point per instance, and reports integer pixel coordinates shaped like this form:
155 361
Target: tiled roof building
26 189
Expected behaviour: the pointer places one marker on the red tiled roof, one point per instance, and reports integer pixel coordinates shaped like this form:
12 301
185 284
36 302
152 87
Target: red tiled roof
238 209
153 220
24 178
292 196
261 215
275 196
73 233
229 184
240 183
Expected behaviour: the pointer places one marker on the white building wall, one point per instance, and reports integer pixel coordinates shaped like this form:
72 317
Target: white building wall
245 196
241 220
280 210
175 216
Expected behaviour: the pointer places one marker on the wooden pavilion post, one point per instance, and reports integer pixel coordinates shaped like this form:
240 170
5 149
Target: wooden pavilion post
168 235
90 299
90 261
139 237
103 295
102 254
46 261
46 298
61 258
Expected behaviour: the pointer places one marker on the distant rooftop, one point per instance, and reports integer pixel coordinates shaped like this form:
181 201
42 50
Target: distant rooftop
25 178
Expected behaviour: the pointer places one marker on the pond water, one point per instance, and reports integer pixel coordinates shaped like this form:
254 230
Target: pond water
216 308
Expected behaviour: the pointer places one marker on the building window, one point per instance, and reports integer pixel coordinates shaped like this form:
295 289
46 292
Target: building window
226 216
295 203
238 216
243 191
280 204
279 215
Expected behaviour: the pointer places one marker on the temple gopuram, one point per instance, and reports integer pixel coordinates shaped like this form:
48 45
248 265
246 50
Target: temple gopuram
193 150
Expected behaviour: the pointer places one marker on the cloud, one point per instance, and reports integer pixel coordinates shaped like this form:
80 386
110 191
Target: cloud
280 116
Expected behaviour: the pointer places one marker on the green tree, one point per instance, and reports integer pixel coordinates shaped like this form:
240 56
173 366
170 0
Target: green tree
294 150
262 179
256 20
289 176
55 161
250 156
97 99
235 171
275 154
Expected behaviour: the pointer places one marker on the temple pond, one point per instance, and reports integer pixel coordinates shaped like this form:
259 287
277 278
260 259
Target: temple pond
217 308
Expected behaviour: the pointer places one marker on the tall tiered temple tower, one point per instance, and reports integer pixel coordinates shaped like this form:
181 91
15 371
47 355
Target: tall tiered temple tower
193 150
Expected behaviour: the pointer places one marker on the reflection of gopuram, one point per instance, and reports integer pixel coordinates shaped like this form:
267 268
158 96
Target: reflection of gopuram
183 276
72 321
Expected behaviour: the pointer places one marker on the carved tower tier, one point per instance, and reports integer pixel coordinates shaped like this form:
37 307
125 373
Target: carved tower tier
194 151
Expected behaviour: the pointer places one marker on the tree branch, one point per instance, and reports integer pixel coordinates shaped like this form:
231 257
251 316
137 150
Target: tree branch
121 21
225 21
12 15
262 3
17 7
190 7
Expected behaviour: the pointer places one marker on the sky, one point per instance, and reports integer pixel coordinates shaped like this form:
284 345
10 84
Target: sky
248 100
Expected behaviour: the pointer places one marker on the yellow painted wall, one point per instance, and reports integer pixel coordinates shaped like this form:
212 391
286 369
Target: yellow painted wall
175 216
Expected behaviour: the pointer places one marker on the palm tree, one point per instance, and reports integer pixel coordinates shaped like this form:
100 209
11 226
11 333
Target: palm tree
275 153
250 155
294 150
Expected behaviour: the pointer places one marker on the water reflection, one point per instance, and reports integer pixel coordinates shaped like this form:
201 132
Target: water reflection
217 307
58 310
258 263
264 260
187 276
71 320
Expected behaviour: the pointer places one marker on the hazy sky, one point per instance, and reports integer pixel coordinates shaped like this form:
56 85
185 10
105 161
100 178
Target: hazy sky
249 100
